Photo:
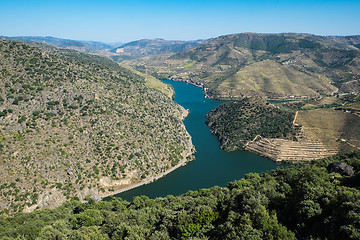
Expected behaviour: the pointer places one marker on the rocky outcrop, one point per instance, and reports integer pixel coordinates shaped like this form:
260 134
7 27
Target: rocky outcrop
55 197
342 168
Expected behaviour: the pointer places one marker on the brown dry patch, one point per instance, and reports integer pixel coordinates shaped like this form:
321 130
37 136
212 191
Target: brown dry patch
335 129
324 132
270 76
328 100
287 150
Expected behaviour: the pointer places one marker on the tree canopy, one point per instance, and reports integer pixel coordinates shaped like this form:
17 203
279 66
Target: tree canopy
303 201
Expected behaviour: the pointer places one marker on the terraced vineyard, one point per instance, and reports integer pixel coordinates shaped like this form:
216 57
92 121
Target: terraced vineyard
275 80
236 123
334 128
291 151
315 132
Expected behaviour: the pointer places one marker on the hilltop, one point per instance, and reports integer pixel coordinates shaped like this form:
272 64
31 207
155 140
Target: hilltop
68 43
268 65
73 124
93 47
238 122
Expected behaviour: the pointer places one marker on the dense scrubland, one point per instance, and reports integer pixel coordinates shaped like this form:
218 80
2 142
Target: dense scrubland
235 123
73 124
298 130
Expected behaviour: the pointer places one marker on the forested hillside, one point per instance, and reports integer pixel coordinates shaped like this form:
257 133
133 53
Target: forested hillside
236 123
317 200
73 124
288 131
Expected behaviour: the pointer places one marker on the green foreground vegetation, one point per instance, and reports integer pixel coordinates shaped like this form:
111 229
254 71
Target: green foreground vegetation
302 201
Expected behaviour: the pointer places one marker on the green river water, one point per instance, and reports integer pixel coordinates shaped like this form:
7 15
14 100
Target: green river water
212 166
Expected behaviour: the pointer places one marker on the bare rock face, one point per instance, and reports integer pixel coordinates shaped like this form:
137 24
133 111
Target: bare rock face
342 168
92 193
48 199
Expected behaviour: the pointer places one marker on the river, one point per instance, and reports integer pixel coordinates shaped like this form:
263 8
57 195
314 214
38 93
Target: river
212 166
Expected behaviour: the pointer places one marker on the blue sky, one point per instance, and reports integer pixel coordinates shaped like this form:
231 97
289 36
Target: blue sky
124 21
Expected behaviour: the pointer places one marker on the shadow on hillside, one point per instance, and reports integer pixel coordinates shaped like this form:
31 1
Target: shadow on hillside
350 134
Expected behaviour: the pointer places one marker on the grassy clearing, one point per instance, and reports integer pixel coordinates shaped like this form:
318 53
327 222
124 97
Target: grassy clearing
191 65
335 129
154 83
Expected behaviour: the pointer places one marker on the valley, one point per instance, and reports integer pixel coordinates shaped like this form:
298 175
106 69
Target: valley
267 65
76 124
179 120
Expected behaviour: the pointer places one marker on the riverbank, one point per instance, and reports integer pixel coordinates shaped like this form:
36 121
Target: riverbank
151 180
197 84
188 155
213 166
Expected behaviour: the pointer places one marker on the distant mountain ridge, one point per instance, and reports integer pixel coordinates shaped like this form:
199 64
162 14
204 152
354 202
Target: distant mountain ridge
147 47
117 51
324 64
93 47
240 65
68 43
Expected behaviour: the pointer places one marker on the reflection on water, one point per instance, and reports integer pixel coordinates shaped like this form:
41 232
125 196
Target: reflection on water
212 166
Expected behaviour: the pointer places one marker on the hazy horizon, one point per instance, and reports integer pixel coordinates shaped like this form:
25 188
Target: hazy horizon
112 21
91 40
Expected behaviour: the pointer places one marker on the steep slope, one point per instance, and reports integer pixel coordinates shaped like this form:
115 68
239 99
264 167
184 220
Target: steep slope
293 131
236 123
73 124
273 79
315 61
154 83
